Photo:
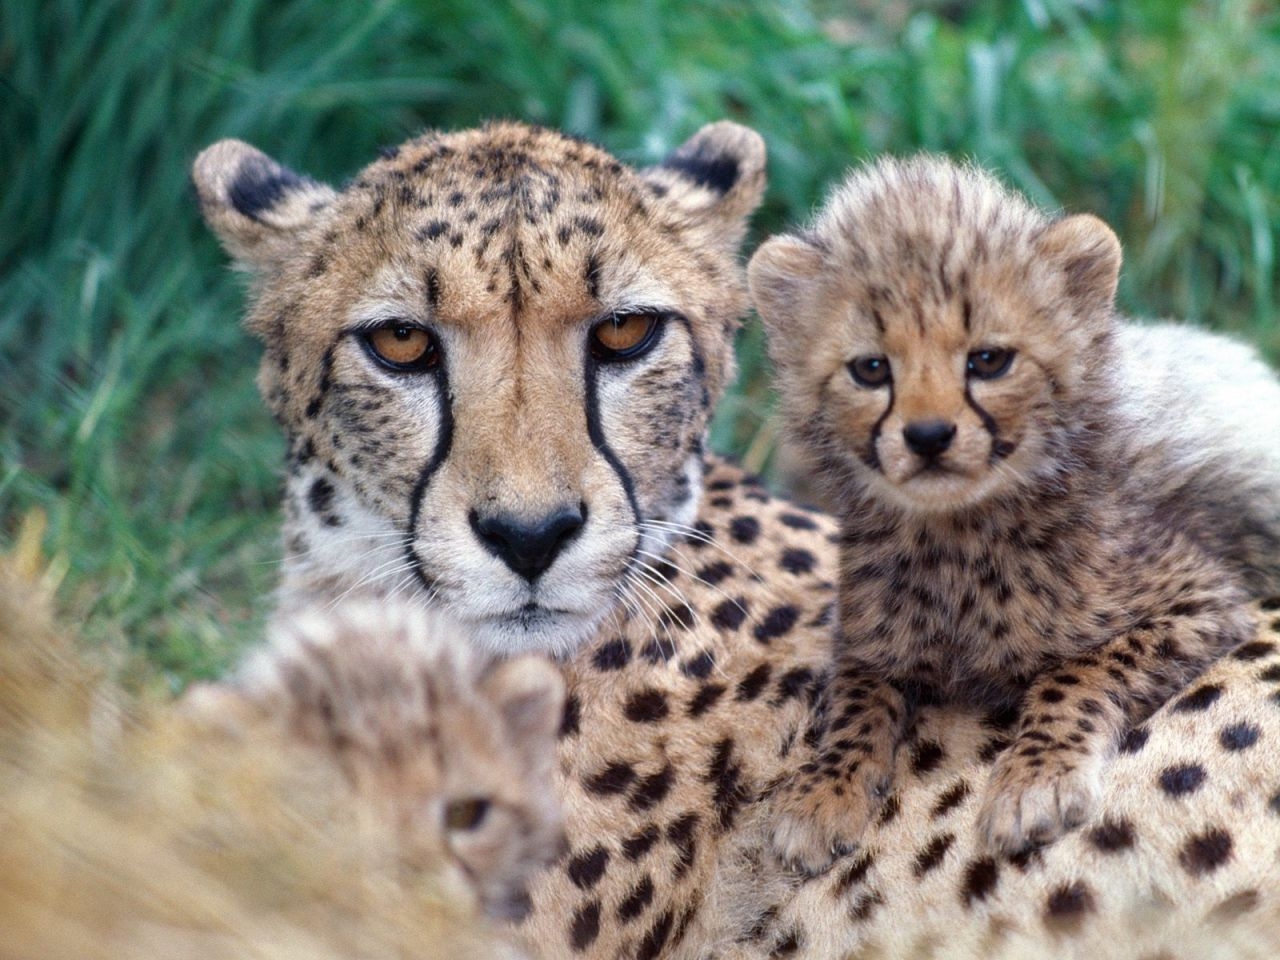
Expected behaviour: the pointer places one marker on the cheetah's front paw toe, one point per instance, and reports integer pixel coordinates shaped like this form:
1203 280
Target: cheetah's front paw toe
817 819
1028 806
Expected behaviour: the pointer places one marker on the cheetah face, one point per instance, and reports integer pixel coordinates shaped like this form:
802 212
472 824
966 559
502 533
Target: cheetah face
494 355
928 353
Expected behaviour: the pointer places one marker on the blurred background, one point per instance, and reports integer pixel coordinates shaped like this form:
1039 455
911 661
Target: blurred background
127 406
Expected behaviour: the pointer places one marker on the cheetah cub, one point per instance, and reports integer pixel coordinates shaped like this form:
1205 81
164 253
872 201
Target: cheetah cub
434 740
1042 506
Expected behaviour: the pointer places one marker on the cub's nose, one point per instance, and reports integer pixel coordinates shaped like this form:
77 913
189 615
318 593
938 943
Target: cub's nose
529 547
928 438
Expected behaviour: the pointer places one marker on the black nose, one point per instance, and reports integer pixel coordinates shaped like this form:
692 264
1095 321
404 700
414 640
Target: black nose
527 547
929 438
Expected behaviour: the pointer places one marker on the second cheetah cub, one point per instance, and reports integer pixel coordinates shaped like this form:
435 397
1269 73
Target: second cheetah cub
1042 506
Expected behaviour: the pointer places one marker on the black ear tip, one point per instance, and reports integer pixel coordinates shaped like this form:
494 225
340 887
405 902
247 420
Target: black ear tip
259 184
718 156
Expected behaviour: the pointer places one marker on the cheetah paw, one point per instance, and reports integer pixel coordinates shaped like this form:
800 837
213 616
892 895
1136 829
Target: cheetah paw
817 820
1029 806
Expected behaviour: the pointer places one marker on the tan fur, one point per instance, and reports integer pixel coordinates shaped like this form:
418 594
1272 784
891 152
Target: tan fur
690 701
507 243
132 829
1049 554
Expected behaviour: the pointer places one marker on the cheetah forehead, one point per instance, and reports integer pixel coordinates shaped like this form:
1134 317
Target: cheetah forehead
924 213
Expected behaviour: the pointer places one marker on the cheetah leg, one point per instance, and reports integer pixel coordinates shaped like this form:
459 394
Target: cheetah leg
1049 779
822 811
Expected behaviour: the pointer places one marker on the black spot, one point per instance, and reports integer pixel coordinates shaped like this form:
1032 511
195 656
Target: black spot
1239 736
572 717
1181 780
634 903
681 616
647 706
652 789
1271 674
640 843
1052 695
776 623
754 682
614 778
798 561
744 529
931 856
1112 836
1068 903
681 835
699 666
1274 804
320 500
1254 651
980 878
792 683
705 698
926 756
861 908
726 775
1135 740
260 184
892 807
951 799
432 230
729 614
716 572
786 946
797 521
1199 699
613 655
855 874
1206 852
585 927
589 225
586 869
718 172
656 938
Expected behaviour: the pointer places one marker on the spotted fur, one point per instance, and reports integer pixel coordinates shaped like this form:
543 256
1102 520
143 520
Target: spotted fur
1024 521
690 701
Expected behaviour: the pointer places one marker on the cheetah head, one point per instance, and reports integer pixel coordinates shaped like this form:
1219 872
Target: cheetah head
494 354
939 341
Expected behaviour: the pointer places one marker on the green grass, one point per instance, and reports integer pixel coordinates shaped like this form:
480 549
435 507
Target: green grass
127 407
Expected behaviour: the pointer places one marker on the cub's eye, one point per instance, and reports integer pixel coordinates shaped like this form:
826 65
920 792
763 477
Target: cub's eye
989 363
624 336
403 347
870 371
465 814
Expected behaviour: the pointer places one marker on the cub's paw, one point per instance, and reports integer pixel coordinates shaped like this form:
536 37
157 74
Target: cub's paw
1027 806
817 817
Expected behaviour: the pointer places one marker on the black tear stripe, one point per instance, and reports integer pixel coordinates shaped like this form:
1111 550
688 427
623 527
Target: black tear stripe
988 421
444 441
872 459
326 379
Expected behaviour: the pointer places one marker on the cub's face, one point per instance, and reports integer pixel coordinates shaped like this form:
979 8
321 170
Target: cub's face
494 355
934 334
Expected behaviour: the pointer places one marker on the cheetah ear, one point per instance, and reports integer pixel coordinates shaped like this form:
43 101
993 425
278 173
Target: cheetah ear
529 694
781 276
256 206
717 176
1088 255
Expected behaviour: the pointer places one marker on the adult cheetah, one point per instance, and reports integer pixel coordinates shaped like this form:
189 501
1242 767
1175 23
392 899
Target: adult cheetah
494 355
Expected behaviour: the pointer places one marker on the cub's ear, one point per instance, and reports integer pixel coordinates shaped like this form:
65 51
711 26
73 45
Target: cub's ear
717 177
254 205
781 276
529 694
1088 255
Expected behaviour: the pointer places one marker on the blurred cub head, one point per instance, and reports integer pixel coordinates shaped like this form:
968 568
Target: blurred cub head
937 339
449 756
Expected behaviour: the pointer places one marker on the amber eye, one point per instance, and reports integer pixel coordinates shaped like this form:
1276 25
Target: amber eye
870 371
623 336
465 814
989 363
403 347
